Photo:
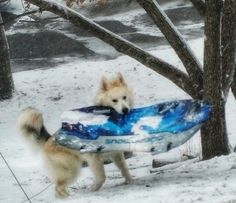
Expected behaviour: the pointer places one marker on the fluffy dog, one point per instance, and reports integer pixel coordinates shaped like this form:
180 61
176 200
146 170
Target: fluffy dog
63 163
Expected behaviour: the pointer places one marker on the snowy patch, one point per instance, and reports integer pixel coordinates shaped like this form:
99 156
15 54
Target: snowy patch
74 117
152 121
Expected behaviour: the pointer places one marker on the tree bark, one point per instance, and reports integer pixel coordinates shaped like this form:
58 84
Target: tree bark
214 134
200 6
233 85
228 45
176 40
120 44
6 81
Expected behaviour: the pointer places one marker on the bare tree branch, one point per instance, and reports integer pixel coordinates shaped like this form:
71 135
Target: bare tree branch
19 16
170 72
200 6
228 44
176 40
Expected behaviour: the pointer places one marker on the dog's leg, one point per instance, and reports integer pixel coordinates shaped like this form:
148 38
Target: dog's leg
60 188
64 171
119 161
97 167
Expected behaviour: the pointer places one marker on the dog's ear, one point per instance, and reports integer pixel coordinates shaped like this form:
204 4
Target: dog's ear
104 84
121 78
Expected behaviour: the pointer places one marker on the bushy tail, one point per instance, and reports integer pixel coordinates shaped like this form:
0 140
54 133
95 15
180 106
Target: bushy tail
30 123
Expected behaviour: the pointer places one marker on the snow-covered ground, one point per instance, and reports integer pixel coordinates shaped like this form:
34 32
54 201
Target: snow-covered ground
128 20
73 85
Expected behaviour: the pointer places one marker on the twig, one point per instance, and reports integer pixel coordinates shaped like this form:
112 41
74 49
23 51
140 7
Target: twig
18 182
37 194
20 15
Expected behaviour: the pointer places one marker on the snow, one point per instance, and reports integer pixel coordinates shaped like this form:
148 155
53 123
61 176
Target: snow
152 121
74 85
14 6
74 117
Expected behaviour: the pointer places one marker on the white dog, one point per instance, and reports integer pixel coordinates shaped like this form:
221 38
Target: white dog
64 164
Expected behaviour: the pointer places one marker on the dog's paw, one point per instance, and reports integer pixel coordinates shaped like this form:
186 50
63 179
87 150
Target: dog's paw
62 193
129 180
95 187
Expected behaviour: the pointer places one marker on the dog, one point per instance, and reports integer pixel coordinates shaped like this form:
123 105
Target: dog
63 163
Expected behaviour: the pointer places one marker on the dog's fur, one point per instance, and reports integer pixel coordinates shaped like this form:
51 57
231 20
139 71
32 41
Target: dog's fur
63 163
116 94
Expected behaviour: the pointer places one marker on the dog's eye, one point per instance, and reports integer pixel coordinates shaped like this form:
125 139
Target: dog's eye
114 100
124 97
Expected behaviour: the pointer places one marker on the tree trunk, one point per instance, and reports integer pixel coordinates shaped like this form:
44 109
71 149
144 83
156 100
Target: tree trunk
233 85
200 6
214 133
6 81
228 44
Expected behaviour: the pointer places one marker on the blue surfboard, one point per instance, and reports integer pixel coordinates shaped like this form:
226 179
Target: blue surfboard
156 128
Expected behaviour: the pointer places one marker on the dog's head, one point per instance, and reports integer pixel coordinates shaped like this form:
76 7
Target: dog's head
116 94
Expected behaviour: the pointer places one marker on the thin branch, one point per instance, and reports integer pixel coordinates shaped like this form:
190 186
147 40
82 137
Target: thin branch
120 44
200 6
176 40
19 16
228 44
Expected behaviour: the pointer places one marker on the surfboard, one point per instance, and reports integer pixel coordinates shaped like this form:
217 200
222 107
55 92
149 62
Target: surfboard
156 128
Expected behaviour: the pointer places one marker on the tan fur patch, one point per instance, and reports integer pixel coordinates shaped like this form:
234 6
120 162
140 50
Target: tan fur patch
30 117
51 147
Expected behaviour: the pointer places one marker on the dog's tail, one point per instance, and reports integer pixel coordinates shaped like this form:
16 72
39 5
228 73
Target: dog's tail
30 123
